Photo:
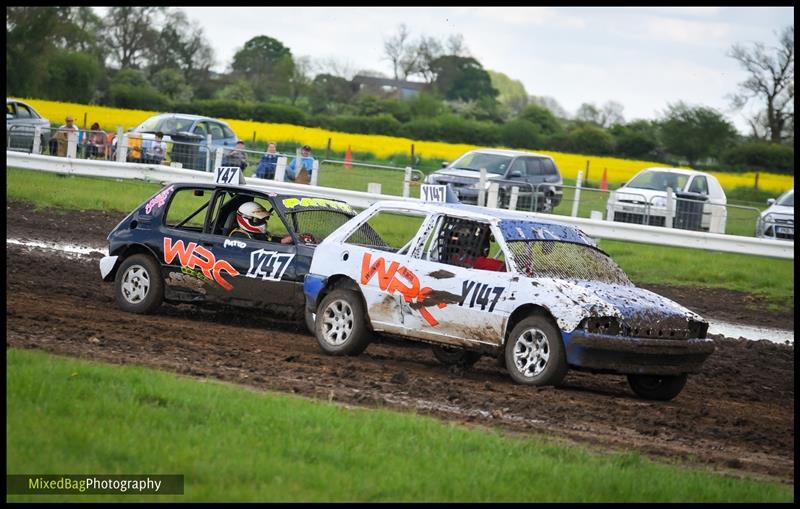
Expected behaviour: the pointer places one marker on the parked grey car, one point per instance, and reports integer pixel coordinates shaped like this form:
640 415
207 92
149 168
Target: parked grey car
21 120
536 176
189 134
777 222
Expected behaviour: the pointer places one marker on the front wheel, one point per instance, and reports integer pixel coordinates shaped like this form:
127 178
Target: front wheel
534 352
340 325
455 356
658 387
138 287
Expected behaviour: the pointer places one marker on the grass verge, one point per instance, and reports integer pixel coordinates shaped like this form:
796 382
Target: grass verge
233 444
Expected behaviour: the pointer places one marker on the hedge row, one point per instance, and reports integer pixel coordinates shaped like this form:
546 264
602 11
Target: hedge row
451 128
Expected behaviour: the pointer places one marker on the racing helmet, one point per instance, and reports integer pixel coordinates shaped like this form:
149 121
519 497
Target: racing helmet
252 217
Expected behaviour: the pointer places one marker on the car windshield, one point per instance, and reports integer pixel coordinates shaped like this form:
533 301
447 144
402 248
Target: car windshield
474 161
659 181
319 223
786 199
565 260
167 124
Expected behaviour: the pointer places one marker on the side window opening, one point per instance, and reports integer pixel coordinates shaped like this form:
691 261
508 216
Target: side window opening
187 209
388 230
465 243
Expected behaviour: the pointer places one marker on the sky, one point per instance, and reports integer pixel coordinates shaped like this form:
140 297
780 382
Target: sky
641 57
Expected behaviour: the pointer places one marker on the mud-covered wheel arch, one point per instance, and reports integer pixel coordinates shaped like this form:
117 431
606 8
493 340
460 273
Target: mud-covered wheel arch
347 283
522 313
126 252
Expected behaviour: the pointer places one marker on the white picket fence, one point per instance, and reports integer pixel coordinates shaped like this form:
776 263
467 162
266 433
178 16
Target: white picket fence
600 229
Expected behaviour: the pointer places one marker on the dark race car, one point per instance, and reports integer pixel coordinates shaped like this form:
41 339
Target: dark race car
186 244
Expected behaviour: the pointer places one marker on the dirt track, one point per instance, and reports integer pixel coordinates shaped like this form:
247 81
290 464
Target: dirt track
737 416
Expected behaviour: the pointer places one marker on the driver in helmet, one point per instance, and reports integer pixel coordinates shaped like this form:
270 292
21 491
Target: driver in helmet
251 222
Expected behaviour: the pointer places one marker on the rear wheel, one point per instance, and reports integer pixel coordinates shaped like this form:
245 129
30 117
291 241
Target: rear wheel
534 352
138 287
455 356
340 325
658 387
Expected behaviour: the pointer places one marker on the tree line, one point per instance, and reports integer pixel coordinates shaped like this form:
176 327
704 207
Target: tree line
156 58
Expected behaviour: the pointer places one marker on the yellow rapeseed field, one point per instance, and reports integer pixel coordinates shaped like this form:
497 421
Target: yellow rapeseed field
618 170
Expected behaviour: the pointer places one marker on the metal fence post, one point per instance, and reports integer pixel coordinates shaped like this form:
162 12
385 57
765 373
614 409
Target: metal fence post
208 153
72 144
122 145
512 201
482 188
315 173
577 200
37 140
407 183
218 158
670 208
280 169
491 200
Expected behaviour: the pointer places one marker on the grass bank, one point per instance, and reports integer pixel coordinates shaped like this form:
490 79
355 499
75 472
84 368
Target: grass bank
234 444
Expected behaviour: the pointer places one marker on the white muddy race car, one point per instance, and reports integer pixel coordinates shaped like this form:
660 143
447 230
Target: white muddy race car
537 294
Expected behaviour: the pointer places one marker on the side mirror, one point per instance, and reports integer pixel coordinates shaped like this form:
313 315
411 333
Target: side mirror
198 192
771 201
444 164
515 175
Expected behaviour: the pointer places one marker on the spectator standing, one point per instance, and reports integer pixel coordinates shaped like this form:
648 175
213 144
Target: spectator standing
301 175
269 161
155 150
236 157
95 142
58 143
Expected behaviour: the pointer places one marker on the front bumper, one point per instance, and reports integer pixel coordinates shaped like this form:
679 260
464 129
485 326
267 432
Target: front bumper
631 355
312 286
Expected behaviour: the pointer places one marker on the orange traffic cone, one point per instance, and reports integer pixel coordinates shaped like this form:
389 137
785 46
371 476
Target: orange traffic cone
348 158
604 180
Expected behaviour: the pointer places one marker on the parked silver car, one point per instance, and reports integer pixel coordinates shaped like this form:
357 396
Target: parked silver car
777 222
21 120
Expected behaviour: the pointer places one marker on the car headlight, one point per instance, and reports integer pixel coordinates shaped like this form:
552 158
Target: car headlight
769 218
660 202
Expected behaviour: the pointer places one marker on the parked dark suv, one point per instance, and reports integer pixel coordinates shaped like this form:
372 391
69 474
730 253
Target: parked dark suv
536 176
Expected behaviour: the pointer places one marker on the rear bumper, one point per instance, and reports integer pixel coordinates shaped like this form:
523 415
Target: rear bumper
630 355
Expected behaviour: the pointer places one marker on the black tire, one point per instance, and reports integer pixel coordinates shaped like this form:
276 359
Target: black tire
534 352
340 326
138 287
455 356
658 387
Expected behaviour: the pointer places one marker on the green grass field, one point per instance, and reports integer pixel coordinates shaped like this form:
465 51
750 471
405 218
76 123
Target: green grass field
645 264
235 444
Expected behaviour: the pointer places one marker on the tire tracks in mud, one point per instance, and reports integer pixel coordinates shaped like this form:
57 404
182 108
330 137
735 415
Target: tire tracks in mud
736 416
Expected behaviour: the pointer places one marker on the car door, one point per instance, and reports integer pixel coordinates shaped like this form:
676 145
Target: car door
459 302
267 273
194 269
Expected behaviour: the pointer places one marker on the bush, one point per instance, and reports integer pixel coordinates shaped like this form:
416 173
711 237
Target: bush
761 155
520 134
122 95
591 140
379 124
72 77
278 114
452 129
